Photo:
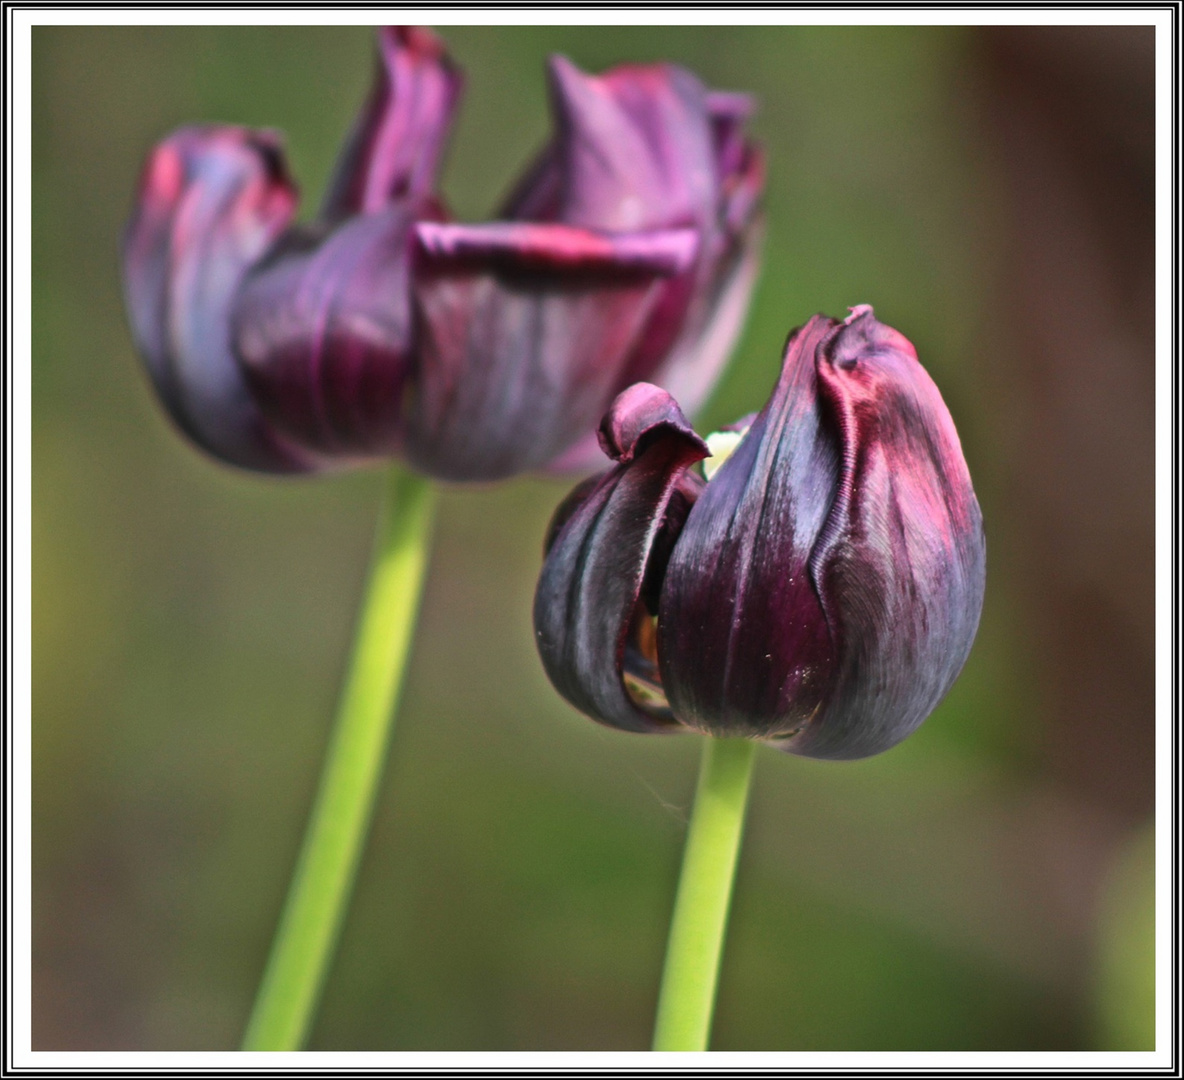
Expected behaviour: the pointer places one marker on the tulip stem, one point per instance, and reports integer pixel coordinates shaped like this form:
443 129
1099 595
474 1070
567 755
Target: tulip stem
687 997
326 867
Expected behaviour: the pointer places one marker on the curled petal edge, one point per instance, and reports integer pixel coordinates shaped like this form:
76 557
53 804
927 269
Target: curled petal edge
591 585
662 252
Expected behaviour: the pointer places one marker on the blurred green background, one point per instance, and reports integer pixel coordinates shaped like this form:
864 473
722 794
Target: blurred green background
975 888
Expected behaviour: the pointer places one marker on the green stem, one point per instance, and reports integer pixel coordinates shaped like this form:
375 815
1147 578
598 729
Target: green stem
324 874
687 998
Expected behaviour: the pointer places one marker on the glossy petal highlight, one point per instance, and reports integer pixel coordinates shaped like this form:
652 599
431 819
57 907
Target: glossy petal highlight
742 638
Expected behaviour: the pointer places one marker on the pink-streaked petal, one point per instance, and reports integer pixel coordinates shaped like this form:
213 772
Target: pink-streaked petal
324 332
398 139
646 145
826 587
212 201
901 562
516 360
559 248
634 147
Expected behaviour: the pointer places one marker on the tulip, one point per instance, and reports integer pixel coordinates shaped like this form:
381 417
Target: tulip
820 591
474 352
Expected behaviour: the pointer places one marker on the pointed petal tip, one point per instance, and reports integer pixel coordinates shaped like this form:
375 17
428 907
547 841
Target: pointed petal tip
416 39
563 73
422 46
862 333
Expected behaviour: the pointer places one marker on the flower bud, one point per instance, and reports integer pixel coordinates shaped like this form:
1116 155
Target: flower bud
821 591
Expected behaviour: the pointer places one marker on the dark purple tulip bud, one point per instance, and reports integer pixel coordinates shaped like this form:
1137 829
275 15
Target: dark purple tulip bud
820 589
627 252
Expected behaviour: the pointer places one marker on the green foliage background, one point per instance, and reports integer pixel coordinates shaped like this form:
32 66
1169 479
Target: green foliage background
191 622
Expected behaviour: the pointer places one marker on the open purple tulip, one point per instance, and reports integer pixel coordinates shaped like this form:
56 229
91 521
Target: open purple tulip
821 590
474 352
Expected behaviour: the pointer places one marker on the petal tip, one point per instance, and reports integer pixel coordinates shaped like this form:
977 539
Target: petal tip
638 411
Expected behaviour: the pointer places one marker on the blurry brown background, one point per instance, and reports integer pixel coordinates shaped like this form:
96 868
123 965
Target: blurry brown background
986 885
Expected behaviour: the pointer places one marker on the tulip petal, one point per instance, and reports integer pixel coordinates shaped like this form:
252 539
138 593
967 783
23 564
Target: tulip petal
642 146
729 111
590 591
901 563
324 332
394 149
635 147
212 201
559 247
524 334
742 639
698 318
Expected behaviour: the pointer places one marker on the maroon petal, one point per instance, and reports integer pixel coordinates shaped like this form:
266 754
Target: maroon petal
634 147
395 147
742 638
523 332
643 146
900 566
696 168
589 597
212 201
324 332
